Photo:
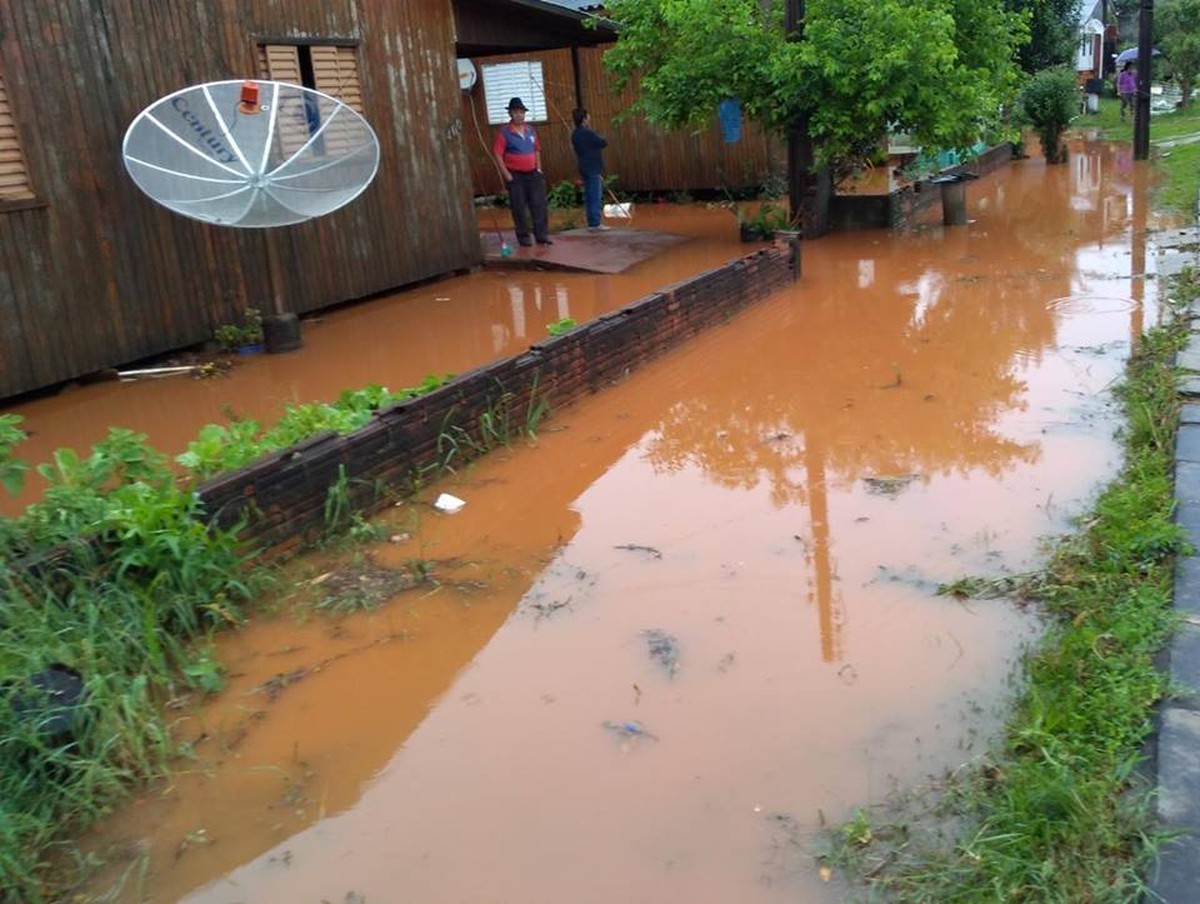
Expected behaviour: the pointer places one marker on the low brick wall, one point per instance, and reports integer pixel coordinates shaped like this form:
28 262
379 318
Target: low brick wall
282 497
901 207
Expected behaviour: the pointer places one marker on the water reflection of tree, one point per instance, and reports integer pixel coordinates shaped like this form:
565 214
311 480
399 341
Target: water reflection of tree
906 373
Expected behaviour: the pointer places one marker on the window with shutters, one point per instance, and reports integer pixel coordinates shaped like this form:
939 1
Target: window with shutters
329 68
14 174
504 81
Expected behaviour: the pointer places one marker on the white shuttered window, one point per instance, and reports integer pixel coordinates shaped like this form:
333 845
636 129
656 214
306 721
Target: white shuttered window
504 81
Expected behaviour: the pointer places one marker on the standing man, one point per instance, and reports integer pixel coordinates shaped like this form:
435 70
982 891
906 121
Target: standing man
1127 88
588 146
519 154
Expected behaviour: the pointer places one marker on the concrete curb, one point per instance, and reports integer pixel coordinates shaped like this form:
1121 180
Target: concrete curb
1175 876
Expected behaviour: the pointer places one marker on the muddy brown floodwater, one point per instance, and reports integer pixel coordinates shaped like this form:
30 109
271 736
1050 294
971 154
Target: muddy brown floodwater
698 614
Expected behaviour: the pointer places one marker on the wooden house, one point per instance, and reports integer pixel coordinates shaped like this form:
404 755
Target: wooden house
553 81
93 274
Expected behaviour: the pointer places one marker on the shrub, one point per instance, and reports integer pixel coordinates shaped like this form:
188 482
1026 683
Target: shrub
1048 102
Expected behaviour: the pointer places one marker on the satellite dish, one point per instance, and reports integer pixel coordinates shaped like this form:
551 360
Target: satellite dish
251 153
466 74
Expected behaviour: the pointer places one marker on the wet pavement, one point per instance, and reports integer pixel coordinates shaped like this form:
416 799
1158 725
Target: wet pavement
697 616
610 250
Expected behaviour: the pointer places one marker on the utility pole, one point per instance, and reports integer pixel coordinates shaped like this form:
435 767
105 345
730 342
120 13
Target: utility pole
1141 110
1102 69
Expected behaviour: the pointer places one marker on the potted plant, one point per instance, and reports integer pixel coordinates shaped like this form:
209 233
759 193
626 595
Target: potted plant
763 225
245 338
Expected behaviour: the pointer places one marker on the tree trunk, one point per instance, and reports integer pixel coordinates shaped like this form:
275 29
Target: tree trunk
810 191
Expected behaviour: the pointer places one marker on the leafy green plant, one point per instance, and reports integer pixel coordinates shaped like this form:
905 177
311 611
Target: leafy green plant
760 222
219 448
563 195
558 327
238 335
12 470
1048 102
1178 25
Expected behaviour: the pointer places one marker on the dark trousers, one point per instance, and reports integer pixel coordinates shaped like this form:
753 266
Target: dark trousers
527 197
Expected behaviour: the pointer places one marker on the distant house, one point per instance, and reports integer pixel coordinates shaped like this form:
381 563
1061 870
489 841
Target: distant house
94 275
1089 52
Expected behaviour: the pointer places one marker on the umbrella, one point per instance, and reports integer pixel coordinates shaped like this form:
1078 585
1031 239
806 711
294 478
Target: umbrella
1131 55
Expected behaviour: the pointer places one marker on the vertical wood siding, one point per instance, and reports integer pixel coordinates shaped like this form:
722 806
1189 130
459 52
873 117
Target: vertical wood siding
96 275
644 157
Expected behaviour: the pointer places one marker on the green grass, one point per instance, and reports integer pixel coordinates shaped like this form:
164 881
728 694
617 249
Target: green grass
1059 812
127 585
1178 166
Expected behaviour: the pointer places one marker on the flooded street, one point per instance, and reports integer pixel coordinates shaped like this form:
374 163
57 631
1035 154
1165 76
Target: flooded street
696 616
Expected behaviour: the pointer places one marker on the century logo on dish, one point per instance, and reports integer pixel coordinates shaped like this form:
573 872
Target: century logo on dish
220 150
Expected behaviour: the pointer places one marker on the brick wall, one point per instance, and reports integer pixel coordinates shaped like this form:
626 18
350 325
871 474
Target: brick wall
283 497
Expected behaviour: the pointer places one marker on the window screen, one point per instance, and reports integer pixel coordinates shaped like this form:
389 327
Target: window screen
503 81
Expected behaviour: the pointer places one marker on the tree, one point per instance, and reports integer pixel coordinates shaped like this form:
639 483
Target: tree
1177 23
1049 100
940 70
1053 32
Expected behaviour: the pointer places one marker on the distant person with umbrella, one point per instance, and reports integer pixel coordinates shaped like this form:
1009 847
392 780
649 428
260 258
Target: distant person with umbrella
1127 85
519 154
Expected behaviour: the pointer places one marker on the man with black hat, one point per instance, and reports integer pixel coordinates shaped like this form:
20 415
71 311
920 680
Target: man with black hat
519 154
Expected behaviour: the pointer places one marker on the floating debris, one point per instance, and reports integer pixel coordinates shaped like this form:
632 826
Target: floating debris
448 503
150 373
889 486
546 610
634 547
664 649
630 730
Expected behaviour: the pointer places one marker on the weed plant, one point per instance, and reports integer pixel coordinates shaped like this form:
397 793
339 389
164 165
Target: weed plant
113 575
219 448
1060 813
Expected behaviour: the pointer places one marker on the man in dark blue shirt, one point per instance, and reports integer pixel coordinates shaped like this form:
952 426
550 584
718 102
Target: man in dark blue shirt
588 146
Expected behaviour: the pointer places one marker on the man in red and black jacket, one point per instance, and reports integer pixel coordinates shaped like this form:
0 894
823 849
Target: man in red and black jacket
519 154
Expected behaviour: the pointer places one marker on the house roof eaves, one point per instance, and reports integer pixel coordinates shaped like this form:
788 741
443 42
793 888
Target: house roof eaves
584 6
565 8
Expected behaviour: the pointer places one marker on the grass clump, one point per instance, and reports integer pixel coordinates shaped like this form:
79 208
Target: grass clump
113 580
1060 812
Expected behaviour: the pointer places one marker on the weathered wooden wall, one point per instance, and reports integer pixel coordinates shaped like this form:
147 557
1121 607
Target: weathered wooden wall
93 274
643 156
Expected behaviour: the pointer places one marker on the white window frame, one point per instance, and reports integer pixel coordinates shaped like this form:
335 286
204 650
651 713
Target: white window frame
523 79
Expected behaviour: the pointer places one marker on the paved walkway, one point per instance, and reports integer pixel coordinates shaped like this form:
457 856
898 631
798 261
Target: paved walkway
612 250
1176 141
1176 879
